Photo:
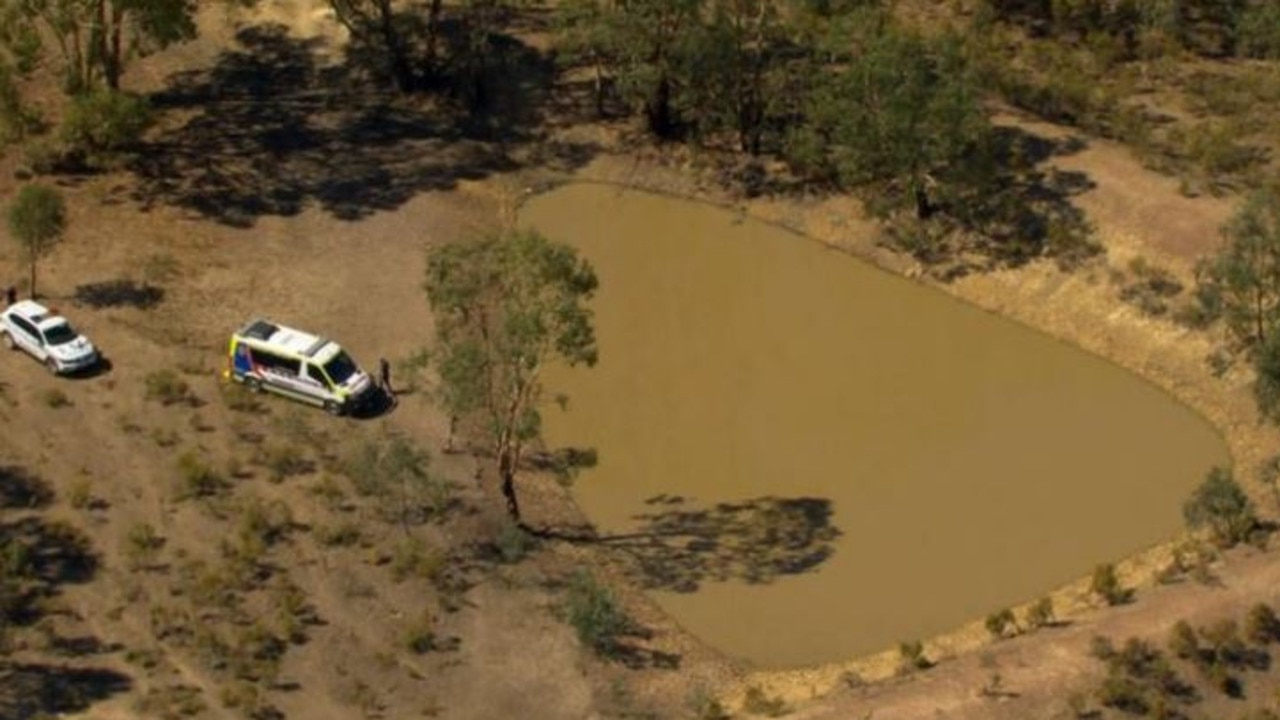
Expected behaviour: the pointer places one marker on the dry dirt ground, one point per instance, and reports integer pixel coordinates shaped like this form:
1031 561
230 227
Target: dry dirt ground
263 195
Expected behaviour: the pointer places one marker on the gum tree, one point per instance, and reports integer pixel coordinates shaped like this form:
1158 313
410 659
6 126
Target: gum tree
506 305
37 220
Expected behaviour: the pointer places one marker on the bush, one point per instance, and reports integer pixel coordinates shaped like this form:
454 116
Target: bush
101 123
55 398
1040 614
513 543
197 479
594 614
1106 585
284 461
757 702
1183 642
1222 506
142 545
412 558
167 387
1000 623
911 657
1261 625
344 534
420 636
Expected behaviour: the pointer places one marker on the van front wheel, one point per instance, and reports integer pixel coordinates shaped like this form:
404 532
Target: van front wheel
332 408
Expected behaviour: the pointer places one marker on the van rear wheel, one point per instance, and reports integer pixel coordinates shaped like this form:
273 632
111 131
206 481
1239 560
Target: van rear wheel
332 408
9 343
253 384
52 366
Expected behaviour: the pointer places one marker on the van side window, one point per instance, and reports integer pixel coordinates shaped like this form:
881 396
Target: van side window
314 373
275 363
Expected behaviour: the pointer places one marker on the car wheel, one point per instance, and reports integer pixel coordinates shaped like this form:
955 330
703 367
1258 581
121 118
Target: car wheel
9 343
52 365
332 408
253 384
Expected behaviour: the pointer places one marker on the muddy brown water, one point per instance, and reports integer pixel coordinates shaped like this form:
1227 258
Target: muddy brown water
813 459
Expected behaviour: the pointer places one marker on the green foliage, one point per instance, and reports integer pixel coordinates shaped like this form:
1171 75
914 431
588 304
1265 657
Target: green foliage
1040 614
413 559
1140 680
101 123
285 461
37 219
504 305
1183 642
1243 280
420 636
1220 505
758 702
142 544
513 543
395 471
1105 584
1001 623
911 657
196 479
903 115
1261 625
1266 385
593 613
55 398
1259 30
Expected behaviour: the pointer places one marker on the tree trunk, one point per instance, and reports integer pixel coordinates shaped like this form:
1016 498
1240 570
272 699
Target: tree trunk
433 34
506 470
33 279
113 62
399 64
658 109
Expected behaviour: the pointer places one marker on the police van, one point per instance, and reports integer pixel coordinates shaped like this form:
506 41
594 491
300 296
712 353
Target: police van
267 356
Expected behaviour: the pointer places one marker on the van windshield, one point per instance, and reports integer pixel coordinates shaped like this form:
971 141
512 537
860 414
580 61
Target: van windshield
340 368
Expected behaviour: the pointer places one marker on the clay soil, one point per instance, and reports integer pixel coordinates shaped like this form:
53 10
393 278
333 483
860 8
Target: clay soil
260 193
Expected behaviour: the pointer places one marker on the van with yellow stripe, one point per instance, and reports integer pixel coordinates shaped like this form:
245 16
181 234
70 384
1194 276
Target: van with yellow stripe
267 356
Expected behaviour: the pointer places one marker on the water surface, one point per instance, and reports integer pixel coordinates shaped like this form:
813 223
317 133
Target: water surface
816 459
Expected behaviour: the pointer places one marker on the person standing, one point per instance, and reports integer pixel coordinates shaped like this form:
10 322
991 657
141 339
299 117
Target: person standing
11 295
384 373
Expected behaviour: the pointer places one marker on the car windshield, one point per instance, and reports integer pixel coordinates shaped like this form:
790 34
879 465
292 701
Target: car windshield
59 334
340 368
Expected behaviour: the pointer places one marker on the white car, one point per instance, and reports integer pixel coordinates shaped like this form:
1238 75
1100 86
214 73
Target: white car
47 336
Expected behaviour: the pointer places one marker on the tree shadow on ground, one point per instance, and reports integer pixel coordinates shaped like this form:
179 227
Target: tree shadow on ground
118 293
680 547
273 127
29 690
19 489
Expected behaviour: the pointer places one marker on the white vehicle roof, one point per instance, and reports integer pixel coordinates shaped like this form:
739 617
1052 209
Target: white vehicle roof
38 314
290 340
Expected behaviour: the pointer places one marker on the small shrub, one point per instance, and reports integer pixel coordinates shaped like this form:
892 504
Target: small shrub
345 534
757 702
101 123
513 542
1223 507
1000 623
1101 648
196 479
168 388
704 706
911 657
55 398
80 495
170 703
1105 584
420 637
1040 614
413 559
283 461
593 613
165 437
1261 625
1183 643
142 545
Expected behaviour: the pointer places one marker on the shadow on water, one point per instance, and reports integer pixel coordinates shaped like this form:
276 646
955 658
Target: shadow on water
679 547
38 557
273 127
